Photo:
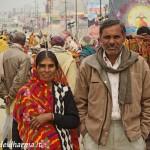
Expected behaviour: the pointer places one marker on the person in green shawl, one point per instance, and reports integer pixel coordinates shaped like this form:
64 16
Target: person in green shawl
87 48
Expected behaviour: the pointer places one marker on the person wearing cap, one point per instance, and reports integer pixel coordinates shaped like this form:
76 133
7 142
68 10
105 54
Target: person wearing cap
66 61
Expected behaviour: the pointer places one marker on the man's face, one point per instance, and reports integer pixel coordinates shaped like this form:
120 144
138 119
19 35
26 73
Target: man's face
112 40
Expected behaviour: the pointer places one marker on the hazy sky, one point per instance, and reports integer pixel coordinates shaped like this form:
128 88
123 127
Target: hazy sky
6 5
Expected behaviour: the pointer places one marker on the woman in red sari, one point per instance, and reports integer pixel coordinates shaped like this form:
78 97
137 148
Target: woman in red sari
45 110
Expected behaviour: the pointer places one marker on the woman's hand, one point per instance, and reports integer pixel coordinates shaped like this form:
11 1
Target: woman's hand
39 120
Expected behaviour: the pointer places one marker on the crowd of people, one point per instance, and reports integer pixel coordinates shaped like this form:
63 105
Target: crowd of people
64 94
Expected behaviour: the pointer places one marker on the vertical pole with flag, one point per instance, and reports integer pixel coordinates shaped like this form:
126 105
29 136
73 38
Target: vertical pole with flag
100 8
66 15
76 18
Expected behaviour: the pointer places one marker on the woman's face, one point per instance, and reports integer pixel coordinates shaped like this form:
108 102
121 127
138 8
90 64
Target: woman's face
46 69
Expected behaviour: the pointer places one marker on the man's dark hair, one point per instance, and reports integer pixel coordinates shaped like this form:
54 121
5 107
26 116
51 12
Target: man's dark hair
142 30
109 22
19 37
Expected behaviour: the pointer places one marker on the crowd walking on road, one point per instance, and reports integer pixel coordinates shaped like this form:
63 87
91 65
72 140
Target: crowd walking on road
61 93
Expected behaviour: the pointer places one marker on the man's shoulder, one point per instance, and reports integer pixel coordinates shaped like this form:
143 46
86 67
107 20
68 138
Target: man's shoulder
59 87
140 64
14 54
140 59
90 60
143 62
16 51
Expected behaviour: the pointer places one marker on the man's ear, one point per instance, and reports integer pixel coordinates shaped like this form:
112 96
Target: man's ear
124 37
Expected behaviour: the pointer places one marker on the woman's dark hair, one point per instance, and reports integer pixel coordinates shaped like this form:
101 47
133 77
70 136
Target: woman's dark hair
46 54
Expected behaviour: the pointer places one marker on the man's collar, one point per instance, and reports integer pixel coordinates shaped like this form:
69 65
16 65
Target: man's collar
106 59
17 46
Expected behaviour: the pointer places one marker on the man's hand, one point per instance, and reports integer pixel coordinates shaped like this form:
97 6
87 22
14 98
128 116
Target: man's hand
39 120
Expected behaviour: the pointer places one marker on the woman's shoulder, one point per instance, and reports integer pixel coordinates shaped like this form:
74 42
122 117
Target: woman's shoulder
61 87
24 88
61 91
